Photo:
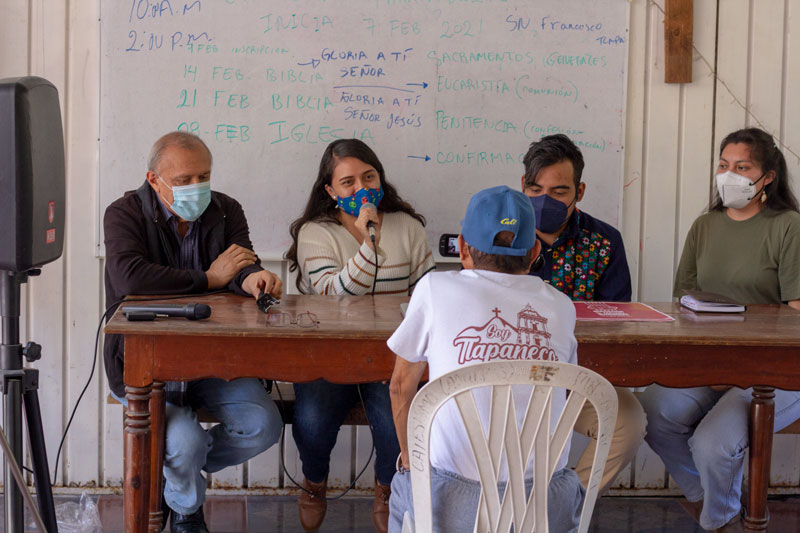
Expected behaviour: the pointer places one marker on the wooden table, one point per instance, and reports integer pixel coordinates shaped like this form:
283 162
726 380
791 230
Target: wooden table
758 349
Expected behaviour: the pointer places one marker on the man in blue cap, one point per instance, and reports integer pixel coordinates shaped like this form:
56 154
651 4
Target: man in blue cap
490 310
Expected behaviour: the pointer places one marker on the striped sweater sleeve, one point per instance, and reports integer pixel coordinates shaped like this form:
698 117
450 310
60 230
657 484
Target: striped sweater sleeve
323 273
421 257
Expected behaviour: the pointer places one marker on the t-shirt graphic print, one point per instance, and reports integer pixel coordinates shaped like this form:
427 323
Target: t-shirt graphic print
467 317
498 340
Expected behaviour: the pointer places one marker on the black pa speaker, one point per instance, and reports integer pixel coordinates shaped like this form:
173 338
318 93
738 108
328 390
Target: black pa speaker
32 185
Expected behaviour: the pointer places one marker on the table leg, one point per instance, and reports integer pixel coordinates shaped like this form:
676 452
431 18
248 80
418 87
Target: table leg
762 418
156 454
137 458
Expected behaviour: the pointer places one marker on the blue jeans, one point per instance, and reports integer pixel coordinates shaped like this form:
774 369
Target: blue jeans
249 424
320 408
701 435
455 501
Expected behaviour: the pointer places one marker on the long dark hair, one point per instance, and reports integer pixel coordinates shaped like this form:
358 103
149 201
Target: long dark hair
320 207
766 153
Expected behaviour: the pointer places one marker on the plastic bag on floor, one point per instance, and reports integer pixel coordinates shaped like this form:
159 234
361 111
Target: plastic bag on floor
78 517
75 517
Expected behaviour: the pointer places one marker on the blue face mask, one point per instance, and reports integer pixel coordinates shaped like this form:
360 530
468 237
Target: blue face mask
352 204
190 201
550 213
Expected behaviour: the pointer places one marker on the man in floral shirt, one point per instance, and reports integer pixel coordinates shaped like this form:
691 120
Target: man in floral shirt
584 258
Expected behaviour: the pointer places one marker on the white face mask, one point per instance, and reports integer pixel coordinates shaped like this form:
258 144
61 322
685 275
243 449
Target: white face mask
736 191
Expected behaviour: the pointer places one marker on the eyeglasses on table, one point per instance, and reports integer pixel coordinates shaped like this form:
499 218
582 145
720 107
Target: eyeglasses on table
280 319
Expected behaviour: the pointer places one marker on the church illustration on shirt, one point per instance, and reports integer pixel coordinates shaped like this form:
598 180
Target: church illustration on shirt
500 340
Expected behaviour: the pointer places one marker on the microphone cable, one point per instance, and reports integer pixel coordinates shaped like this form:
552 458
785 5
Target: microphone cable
363 406
358 476
375 279
110 309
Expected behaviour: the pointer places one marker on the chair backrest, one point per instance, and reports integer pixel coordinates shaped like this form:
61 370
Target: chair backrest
504 435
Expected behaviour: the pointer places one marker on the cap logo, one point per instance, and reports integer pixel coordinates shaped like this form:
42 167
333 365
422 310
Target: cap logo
508 221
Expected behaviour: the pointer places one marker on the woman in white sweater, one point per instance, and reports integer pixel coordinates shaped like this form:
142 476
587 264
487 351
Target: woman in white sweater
351 201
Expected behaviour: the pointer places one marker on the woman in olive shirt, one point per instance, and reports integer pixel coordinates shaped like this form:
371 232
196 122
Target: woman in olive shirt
747 247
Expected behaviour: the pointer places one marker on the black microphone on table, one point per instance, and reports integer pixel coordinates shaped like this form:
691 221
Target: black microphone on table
370 224
151 311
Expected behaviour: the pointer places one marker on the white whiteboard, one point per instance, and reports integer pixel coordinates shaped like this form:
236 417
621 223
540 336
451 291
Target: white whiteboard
448 93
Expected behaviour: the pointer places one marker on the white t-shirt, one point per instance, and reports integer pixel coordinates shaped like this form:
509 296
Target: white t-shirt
465 317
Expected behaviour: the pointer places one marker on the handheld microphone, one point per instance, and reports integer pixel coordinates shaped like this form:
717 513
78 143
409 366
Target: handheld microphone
149 312
370 224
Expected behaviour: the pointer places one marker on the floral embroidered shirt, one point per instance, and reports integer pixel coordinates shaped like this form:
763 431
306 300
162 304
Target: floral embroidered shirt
587 261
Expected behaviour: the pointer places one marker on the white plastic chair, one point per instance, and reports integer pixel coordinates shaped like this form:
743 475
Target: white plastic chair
505 436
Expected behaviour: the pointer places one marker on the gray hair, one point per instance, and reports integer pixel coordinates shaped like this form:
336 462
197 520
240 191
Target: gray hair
181 139
507 264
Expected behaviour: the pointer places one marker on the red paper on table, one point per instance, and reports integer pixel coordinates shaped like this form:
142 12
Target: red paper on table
621 311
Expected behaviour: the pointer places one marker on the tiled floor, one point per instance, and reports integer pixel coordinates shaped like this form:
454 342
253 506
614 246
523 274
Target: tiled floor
235 514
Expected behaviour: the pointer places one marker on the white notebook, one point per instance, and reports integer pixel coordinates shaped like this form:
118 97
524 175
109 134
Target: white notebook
706 302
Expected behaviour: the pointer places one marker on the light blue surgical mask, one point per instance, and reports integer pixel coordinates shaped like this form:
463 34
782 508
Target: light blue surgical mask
190 201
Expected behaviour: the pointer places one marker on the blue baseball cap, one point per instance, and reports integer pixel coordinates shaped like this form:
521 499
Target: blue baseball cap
499 209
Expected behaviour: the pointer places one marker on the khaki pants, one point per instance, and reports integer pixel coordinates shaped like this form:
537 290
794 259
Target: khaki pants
628 436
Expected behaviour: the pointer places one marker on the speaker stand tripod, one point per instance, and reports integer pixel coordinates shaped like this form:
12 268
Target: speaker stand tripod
20 385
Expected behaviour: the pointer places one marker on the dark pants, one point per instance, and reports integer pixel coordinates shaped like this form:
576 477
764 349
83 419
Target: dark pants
320 408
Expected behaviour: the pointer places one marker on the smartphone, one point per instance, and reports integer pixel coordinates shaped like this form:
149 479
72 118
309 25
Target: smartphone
448 245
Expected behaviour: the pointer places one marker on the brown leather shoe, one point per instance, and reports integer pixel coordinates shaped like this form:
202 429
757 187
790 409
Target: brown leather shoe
734 526
312 504
380 507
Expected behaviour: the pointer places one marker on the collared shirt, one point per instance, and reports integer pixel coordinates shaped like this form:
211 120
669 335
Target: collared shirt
587 261
187 257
